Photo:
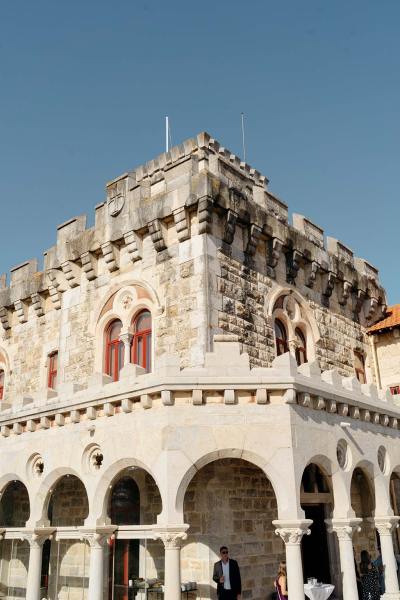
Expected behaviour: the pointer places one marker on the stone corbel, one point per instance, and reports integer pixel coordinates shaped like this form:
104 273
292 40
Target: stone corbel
254 237
88 265
110 256
21 309
156 235
370 307
328 284
204 213
344 528
230 226
4 319
37 304
311 273
133 245
54 292
275 246
386 525
344 292
71 272
360 298
292 265
182 224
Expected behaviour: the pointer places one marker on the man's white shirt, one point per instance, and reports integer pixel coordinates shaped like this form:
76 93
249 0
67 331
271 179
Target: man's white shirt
225 573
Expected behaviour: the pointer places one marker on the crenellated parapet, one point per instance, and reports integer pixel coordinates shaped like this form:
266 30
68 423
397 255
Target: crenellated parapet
197 187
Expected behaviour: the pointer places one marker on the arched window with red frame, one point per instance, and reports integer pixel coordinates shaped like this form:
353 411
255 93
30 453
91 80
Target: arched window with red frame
301 348
359 366
114 350
280 338
2 380
141 343
52 368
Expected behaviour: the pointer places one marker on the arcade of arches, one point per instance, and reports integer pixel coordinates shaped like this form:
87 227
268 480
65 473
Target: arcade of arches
228 501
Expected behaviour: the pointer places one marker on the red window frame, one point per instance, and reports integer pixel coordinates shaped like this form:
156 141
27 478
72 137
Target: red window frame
301 349
52 365
142 336
2 378
113 364
360 370
395 389
280 337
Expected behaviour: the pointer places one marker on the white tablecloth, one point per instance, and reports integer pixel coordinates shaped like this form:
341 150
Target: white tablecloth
318 592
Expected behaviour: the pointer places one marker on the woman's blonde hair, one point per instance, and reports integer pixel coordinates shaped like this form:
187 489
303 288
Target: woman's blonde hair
282 568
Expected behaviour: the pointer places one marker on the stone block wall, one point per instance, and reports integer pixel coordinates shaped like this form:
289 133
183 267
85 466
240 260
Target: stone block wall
363 506
14 569
69 570
230 502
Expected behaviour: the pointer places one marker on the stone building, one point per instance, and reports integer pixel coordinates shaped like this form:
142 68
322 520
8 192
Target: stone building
385 350
192 371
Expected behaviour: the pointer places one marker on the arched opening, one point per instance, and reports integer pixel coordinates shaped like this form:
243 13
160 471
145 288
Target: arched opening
301 347
65 559
141 342
14 512
281 339
363 504
114 351
317 502
133 500
231 502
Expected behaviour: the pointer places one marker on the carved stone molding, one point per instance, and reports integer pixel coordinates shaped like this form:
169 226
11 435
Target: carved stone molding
133 245
291 532
204 213
156 235
386 525
36 539
97 539
254 237
172 539
182 226
344 528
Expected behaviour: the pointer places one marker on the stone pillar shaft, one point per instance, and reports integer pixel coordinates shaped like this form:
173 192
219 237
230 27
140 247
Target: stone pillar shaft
344 529
172 544
291 533
34 572
385 527
126 339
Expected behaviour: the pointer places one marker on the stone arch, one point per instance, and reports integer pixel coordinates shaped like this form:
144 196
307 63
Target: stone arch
5 367
109 478
15 505
270 472
42 497
303 318
362 494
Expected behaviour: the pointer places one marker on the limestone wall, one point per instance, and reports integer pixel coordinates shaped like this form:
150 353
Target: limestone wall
388 355
230 502
14 569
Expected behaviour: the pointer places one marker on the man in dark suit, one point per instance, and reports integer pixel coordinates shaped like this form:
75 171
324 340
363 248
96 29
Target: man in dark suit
227 577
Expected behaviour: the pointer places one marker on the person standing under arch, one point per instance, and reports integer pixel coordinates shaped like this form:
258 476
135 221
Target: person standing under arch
226 575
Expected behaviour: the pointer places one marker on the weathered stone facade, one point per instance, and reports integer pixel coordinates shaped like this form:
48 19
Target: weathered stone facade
254 364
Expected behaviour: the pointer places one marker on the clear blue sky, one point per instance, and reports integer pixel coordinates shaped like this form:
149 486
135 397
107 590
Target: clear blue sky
85 85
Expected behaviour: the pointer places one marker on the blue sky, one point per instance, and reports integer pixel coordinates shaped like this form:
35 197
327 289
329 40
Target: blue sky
85 85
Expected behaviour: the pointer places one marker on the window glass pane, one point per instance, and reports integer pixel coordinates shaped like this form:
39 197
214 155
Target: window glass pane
148 352
143 321
280 331
120 355
115 330
300 338
139 353
1 378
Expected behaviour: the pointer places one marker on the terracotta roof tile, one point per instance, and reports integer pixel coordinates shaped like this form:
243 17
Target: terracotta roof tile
391 319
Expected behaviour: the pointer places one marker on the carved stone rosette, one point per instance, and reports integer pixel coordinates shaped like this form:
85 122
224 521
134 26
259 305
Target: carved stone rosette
292 532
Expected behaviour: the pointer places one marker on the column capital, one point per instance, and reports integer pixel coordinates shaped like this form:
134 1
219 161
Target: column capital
172 538
386 525
37 537
292 532
126 337
344 528
97 538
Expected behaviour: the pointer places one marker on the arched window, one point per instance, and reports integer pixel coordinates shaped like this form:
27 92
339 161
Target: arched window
301 348
2 378
141 343
359 367
280 338
114 350
52 367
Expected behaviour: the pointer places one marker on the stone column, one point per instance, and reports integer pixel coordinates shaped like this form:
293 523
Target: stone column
385 527
291 533
172 544
36 542
97 543
344 529
126 339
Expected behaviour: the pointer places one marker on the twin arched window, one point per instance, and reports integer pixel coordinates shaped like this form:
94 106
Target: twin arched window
140 347
282 345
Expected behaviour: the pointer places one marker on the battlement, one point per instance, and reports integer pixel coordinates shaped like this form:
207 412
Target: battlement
191 186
